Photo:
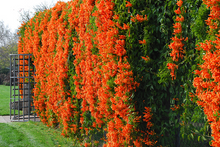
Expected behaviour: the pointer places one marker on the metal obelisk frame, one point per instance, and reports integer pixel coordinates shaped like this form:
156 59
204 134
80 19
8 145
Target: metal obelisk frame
21 88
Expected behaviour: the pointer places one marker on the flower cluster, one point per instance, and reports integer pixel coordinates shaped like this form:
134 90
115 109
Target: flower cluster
213 18
172 67
102 79
177 41
176 106
207 81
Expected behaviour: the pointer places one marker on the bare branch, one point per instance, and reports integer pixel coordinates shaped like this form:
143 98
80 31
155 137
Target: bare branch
43 6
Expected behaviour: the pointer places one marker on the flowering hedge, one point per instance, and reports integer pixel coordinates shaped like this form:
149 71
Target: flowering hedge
84 80
126 70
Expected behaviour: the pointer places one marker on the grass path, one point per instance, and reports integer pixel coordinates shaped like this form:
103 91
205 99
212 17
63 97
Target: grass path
32 134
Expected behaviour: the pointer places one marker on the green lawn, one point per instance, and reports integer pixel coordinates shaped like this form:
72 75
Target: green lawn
32 134
4 100
28 134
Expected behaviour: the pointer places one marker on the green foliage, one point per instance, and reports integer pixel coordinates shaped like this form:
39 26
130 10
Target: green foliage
157 89
198 25
4 71
157 32
10 48
195 17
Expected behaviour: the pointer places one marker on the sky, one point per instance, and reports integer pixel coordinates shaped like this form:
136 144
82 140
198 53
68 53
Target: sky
10 10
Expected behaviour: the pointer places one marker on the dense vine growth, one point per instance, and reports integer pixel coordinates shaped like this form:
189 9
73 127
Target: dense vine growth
207 82
127 73
84 80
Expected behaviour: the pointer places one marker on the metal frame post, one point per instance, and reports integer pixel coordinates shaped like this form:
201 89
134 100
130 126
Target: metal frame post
21 85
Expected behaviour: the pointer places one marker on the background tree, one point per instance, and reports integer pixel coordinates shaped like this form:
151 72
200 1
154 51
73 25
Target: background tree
25 16
8 45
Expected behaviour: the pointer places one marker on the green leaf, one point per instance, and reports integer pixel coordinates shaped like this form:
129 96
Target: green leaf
188 137
196 131
199 138
210 143
203 138
192 136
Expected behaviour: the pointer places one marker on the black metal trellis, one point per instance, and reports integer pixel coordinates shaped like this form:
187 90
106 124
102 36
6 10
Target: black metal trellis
21 88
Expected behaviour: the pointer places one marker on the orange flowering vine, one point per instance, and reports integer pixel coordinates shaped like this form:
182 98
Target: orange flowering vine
176 46
128 4
172 67
207 80
145 58
142 41
176 107
139 18
71 48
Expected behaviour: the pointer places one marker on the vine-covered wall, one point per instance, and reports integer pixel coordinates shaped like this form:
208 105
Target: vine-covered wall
124 70
84 80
